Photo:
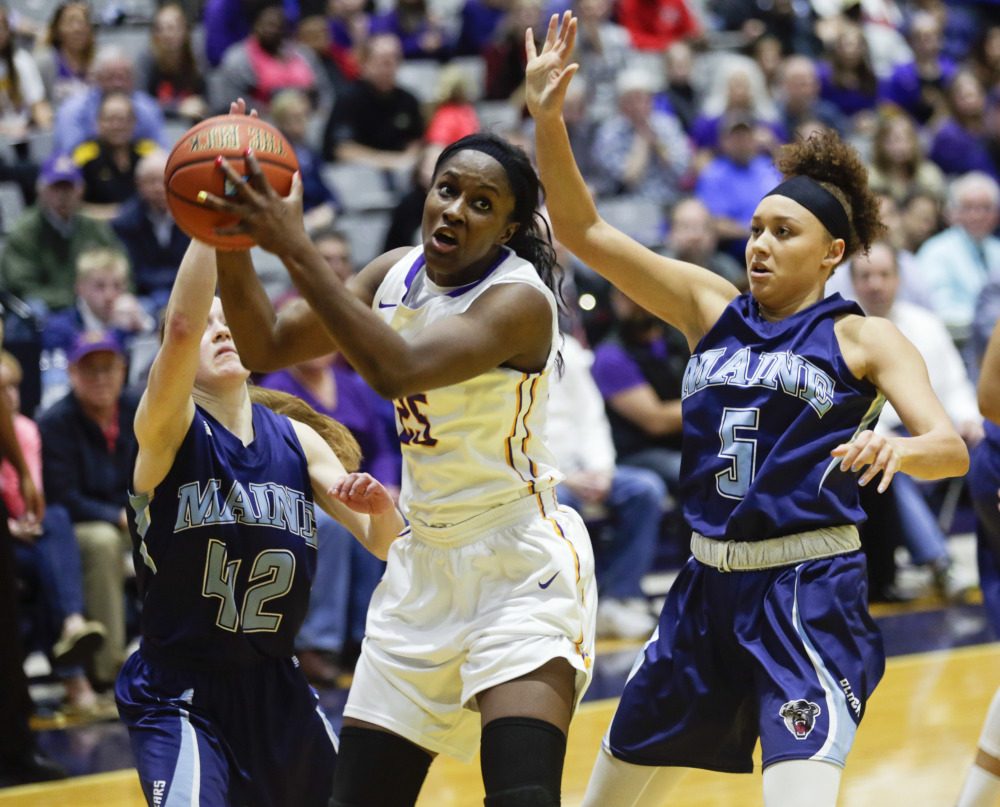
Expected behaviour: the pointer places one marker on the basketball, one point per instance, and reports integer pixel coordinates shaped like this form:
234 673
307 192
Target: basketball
191 168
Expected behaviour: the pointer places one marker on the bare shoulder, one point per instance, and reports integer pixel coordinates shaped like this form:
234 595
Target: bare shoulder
366 282
865 340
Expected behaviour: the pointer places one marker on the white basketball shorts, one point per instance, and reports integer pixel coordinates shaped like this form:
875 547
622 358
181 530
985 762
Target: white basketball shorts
464 608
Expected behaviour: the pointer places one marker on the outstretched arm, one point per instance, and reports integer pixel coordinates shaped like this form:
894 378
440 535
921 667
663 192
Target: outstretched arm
357 501
687 296
166 409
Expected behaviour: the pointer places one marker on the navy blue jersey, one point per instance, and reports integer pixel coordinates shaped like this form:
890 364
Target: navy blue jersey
764 403
225 546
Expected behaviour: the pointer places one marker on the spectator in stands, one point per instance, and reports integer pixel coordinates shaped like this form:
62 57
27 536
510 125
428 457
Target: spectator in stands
290 112
655 25
799 97
640 150
898 167
154 242
23 104
376 122
39 261
730 184
679 95
602 51
169 71
49 551
266 62
20 760
337 69
504 54
421 34
638 369
737 89
113 71
846 76
920 218
956 264
350 28
404 228
108 162
918 87
103 303
65 59
87 445
454 114
911 286
961 143
692 238
480 20
345 578
876 282
629 501
225 22
984 60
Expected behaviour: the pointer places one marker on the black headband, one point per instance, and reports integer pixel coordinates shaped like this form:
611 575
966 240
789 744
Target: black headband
818 201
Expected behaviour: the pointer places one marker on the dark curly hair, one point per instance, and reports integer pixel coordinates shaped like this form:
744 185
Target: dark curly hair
837 166
533 239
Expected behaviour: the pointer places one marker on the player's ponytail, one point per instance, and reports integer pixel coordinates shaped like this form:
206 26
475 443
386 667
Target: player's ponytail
336 435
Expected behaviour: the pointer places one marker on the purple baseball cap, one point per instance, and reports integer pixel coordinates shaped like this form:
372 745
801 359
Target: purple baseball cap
60 168
87 342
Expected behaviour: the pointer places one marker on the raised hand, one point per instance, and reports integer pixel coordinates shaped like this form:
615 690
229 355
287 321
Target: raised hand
363 493
272 221
547 74
873 450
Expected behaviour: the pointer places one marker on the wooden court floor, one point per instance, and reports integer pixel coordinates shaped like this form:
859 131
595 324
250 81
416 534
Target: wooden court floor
913 748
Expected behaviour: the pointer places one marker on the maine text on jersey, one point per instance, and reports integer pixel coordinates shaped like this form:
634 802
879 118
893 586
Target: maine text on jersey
794 375
260 504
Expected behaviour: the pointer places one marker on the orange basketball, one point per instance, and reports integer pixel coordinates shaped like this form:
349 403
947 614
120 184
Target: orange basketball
191 168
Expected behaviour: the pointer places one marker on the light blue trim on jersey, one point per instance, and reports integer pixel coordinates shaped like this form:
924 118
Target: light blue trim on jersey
873 412
329 729
841 731
187 770
140 506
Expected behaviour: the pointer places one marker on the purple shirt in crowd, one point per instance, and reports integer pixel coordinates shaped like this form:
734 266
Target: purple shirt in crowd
357 410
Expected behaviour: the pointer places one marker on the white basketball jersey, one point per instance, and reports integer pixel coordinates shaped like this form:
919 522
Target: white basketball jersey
474 445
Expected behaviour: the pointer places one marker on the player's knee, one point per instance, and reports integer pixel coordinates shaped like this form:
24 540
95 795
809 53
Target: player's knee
365 755
522 759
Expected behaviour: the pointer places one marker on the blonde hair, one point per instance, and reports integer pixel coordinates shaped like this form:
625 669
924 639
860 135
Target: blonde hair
101 259
334 434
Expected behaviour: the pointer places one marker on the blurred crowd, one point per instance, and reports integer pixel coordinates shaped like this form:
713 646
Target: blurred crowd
675 116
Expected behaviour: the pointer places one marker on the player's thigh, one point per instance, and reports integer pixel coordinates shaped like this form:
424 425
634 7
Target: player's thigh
548 694
181 762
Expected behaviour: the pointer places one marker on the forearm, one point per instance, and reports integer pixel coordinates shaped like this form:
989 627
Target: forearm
938 453
569 203
250 314
382 531
191 295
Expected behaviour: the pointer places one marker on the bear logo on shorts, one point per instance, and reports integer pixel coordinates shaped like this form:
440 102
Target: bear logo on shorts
800 717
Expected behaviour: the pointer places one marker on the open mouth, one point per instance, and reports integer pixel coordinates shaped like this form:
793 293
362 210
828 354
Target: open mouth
444 239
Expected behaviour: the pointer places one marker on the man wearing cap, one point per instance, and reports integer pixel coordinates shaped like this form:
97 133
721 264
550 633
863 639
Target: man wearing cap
39 262
87 440
730 185
643 151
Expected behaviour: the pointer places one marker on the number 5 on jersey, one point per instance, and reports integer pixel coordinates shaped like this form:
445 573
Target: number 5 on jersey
740 449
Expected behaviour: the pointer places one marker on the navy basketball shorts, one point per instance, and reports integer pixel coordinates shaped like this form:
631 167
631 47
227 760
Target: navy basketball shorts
984 480
789 655
249 736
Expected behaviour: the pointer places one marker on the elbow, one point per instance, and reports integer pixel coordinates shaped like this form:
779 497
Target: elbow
179 327
961 458
391 385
